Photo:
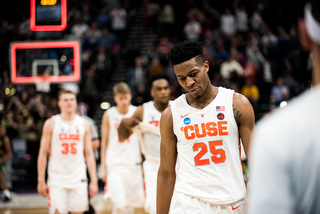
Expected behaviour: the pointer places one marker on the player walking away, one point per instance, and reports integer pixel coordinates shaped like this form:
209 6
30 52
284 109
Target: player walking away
148 116
284 159
5 154
202 129
66 139
121 160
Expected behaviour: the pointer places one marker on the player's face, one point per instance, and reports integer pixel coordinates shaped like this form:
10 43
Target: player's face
192 76
123 100
68 103
160 91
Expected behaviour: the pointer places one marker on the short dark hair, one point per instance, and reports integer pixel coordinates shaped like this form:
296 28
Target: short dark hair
185 50
155 77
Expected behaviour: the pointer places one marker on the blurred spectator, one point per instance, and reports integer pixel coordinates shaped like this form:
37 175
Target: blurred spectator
228 23
254 54
269 42
107 40
192 28
90 90
250 72
86 13
279 92
136 75
155 67
220 53
79 28
93 34
241 18
251 91
167 20
152 16
231 67
24 28
118 17
102 19
256 21
104 64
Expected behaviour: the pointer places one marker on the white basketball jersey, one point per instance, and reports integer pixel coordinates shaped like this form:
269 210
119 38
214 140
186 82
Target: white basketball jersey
66 165
208 148
124 152
151 142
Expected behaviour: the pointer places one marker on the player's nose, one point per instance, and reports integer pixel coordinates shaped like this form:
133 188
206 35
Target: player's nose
189 81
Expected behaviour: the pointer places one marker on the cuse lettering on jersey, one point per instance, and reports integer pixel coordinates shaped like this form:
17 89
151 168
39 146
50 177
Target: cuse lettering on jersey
205 129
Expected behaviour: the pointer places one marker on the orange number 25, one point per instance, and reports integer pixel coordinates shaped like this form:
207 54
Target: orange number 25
69 148
204 149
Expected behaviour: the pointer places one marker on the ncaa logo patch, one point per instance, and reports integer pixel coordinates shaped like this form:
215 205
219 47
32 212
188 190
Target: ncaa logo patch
187 121
220 116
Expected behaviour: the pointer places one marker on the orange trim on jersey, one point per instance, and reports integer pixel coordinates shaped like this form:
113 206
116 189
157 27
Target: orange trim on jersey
240 153
49 198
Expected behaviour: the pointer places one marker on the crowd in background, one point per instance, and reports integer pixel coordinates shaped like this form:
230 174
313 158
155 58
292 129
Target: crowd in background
252 46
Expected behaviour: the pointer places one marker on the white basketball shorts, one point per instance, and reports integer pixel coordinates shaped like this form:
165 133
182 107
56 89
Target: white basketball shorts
68 199
124 186
185 204
150 169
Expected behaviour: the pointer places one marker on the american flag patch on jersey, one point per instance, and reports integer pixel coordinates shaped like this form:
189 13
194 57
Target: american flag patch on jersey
220 108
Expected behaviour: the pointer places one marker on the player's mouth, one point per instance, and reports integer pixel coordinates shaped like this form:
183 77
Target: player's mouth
194 90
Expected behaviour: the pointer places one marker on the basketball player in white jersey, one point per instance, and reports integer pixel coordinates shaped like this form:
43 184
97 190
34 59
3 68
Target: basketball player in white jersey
202 129
66 139
121 160
148 116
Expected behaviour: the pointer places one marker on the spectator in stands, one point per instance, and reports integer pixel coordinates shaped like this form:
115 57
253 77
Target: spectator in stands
155 67
250 72
228 23
118 17
269 42
108 40
251 91
220 53
79 28
102 19
136 75
231 67
167 19
256 21
192 29
94 33
241 18
279 93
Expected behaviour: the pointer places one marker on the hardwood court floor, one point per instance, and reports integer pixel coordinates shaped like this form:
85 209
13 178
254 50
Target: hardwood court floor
44 210
35 204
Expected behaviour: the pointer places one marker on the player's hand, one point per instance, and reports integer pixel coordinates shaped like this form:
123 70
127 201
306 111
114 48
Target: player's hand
42 189
103 171
93 189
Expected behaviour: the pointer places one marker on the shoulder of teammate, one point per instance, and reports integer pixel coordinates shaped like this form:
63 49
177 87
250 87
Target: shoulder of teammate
48 125
105 117
86 124
242 109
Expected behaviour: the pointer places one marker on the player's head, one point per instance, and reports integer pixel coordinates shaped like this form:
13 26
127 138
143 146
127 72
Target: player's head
67 101
190 68
122 94
159 86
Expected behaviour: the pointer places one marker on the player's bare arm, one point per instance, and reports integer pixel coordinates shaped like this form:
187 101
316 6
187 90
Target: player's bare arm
126 125
244 116
104 145
43 154
8 153
168 157
91 163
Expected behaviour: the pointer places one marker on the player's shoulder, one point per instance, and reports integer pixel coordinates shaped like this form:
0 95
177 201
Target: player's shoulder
49 123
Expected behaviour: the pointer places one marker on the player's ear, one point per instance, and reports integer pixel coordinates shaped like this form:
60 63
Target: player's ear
303 35
206 66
